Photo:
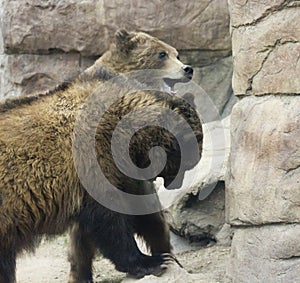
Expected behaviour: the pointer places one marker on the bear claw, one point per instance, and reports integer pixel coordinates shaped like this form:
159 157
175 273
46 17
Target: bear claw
172 258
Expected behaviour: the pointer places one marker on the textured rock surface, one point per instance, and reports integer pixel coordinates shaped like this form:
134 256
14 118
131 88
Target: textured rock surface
263 182
250 12
215 79
25 74
264 179
1 37
265 254
87 26
266 47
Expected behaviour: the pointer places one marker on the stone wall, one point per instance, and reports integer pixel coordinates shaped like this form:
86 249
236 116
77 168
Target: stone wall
45 42
263 182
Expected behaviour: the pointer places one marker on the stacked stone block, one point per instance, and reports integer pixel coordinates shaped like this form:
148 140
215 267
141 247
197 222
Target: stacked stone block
46 42
263 182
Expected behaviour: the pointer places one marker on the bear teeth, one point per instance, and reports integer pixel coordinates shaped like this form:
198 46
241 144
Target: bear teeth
168 89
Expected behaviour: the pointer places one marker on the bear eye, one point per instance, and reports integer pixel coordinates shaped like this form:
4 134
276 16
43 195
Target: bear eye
178 58
163 55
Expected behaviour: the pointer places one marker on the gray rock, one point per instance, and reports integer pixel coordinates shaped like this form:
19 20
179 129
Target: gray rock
87 27
199 220
262 192
180 244
216 79
213 73
265 254
7 87
224 236
264 179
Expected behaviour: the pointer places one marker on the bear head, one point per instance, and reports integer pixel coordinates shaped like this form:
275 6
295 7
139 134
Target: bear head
134 51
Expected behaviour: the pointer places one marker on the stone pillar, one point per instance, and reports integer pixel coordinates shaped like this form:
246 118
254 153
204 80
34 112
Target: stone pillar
263 182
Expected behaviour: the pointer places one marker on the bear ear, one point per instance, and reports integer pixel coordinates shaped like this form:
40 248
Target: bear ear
122 34
123 40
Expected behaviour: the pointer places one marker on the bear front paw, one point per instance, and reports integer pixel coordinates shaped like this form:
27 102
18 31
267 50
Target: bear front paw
149 265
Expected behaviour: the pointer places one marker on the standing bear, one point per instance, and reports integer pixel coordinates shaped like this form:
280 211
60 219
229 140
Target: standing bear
49 182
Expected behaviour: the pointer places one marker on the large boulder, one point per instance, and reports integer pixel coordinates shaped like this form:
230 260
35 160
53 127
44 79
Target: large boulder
200 220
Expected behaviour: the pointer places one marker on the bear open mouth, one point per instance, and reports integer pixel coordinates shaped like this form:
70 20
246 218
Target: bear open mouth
168 84
168 89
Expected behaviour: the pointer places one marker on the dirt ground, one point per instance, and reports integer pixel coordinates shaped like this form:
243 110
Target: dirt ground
49 264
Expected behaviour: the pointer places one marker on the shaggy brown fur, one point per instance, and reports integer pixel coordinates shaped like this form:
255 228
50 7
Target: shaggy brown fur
40 192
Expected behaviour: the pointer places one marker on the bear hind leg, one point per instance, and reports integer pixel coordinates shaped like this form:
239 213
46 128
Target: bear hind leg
116 242
81 256
8 267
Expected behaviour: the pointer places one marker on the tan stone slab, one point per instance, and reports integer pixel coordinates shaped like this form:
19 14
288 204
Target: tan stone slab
88 26
266 54
244 12
263 182
265 254
281 70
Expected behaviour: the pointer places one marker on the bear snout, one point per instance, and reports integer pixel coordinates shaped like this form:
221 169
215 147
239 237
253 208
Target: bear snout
188 71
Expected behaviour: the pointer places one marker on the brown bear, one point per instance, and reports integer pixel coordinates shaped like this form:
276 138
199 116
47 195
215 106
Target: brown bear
41 192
